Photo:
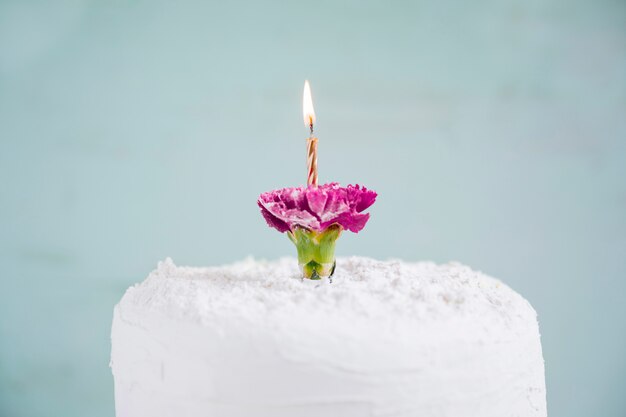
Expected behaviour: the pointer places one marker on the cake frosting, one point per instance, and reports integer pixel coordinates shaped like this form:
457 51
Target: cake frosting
390 338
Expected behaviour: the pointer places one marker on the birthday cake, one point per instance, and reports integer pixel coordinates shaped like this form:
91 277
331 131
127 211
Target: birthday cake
309 338
386 338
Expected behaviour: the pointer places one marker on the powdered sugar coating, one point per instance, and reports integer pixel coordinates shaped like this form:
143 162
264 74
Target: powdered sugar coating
386 338
362 287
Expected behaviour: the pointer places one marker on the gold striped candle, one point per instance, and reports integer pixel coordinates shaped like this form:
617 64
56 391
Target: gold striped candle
311 144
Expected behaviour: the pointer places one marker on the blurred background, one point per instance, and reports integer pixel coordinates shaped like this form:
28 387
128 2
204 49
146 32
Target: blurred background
494 132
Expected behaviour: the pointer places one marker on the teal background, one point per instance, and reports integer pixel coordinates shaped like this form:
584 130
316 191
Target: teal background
494 132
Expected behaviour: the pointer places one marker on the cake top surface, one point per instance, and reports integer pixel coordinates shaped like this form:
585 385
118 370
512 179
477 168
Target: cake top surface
363 289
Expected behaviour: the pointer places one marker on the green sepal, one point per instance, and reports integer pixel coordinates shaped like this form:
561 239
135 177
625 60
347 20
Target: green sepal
316 250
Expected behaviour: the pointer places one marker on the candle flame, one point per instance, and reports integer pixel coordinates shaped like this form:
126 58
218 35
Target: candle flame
307 107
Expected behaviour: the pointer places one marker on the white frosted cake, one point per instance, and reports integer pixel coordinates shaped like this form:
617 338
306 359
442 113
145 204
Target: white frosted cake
383 339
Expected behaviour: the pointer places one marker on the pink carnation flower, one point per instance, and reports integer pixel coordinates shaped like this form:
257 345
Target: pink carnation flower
316 208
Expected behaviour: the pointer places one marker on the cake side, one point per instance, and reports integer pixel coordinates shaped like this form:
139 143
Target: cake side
386 338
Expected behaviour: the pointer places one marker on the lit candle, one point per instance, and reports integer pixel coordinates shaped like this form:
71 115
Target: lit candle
315 216
311 144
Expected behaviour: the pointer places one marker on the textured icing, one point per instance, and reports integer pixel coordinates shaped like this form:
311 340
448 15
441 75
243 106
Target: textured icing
384 339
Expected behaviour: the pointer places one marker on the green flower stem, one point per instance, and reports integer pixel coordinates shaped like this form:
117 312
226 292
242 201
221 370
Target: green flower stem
316 250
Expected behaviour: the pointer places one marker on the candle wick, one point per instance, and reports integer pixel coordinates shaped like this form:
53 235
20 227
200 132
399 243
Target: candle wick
311 124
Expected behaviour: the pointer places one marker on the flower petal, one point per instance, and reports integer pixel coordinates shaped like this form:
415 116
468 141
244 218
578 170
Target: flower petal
273 221
317 208
316 197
